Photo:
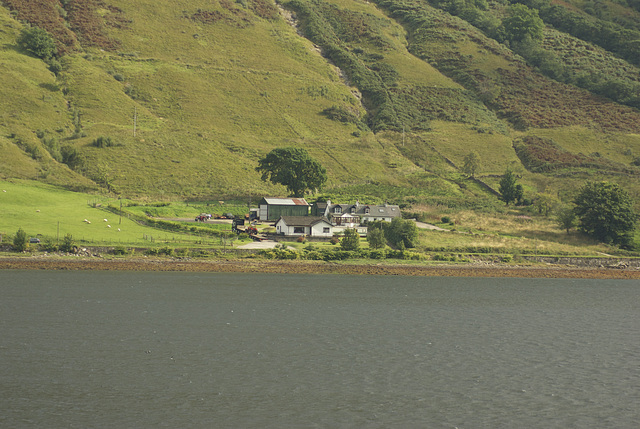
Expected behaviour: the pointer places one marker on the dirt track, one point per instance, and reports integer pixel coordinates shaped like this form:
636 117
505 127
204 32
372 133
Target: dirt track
297 267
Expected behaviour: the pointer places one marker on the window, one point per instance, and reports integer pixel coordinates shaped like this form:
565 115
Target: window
326 230
338 209
367 210
298 229
353 210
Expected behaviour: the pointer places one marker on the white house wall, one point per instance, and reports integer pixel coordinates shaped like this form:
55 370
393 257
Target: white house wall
361 230
375 218
317 230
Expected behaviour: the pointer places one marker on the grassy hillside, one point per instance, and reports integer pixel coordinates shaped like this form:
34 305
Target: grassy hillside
389 96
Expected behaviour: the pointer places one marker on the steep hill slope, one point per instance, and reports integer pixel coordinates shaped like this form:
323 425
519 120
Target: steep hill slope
390 96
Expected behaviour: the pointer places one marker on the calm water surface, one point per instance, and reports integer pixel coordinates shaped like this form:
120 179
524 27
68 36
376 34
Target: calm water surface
185 350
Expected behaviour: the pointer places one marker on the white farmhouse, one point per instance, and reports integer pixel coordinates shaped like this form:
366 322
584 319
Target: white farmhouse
312 226
352 215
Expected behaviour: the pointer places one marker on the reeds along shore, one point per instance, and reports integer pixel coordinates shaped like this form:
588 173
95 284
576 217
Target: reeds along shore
282 267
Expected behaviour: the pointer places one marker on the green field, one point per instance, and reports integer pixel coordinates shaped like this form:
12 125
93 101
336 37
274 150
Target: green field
49 213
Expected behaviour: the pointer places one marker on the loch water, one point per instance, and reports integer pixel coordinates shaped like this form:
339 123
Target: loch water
213 350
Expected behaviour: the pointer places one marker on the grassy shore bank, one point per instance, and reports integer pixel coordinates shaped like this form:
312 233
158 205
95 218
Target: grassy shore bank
315 267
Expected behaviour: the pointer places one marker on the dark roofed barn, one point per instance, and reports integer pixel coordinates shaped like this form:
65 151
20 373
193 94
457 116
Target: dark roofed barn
272 208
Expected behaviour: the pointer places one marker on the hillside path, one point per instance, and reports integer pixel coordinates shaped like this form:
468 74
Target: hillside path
423 225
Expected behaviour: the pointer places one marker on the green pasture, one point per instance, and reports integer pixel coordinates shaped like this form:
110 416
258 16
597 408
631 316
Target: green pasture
188 210
48 212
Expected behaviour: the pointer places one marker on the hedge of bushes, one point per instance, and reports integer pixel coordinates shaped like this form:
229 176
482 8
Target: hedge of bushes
312 254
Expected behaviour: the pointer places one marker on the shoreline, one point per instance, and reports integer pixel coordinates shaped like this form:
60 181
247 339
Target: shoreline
298 267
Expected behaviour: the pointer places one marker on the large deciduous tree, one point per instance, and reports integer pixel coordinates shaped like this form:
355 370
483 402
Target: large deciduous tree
605 212
294 168
402 233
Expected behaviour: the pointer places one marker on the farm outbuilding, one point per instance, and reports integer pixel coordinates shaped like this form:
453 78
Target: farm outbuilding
270 209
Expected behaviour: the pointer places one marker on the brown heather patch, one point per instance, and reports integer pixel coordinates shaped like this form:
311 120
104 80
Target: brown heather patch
264 9
90 26
214 16
44 14
536 101
231 14
87 25
541 155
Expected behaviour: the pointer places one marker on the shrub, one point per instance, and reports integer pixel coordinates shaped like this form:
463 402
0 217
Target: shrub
165 251
351 240
376 239
313 255
55 66
49 246
280 252
168 251
67 243
181 252
339 255
103 141
119 250
378 254
20 243
522 23
70 156
37 41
